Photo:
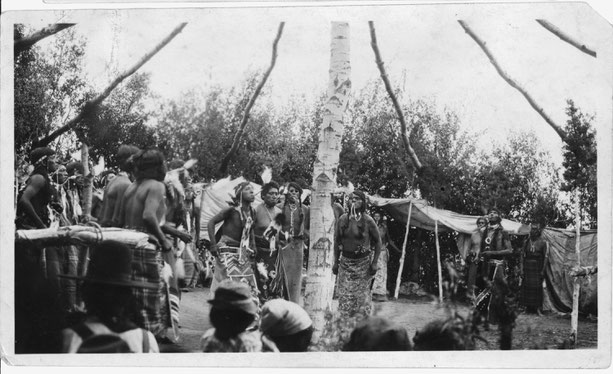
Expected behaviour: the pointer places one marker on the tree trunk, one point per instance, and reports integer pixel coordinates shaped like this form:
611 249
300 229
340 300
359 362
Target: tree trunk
574 316
320 281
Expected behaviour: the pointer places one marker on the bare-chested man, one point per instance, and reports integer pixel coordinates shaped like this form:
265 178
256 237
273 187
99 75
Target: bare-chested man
114 191
235 251
32 207
355 263
474 254
143 207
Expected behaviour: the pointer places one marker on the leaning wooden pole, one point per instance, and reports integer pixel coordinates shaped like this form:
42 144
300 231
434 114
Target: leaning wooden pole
87 187
438 263
574 317
565 37
405 131
91 105
241 128
27 42
403 253
512 82
320 280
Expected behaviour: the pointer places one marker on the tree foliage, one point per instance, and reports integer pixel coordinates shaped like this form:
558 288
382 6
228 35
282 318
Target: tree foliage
580 161
49 86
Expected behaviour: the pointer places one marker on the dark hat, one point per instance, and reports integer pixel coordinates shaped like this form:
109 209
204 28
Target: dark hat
232 295
378 334
38 153
111 263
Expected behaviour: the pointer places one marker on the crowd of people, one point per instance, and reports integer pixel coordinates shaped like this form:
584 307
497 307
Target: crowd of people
259 252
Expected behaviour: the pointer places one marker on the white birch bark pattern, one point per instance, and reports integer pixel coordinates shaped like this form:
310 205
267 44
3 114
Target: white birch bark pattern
320 281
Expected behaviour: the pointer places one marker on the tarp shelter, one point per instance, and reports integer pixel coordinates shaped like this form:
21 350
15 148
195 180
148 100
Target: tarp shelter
562 257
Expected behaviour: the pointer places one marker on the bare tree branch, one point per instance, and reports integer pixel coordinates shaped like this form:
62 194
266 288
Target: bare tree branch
510 81
92 104
28 41
404 132
565 37
239 133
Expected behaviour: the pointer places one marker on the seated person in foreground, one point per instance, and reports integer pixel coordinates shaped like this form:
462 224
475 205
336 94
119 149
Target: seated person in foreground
287 324
233 310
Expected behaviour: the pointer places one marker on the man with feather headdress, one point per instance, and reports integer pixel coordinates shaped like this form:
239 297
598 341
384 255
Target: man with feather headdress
235 251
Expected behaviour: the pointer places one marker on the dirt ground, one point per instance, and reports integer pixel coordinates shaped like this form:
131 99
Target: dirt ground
531 331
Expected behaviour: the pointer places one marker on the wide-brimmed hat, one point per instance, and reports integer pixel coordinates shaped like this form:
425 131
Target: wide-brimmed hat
281 318
232 295
111 263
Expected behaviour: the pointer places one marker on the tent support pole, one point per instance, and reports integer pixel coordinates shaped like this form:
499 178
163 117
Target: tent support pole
404 250
438 263
574 317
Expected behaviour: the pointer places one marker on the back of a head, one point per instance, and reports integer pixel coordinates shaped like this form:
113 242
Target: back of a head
287 324
124 154
378 334
440 335
104 343
149 164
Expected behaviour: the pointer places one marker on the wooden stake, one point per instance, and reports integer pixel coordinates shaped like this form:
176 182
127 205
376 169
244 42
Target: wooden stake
404 249
404 130
241 128
92 104
574 317
438 263
511 82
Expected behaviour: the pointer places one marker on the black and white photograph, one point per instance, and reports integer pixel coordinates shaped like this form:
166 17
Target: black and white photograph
308 185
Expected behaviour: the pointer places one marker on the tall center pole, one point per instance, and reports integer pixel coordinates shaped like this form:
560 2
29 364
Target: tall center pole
320 280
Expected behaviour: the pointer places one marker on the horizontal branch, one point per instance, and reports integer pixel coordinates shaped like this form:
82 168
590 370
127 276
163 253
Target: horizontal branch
26 42
511 82
565 37
92 104
239 133
403 125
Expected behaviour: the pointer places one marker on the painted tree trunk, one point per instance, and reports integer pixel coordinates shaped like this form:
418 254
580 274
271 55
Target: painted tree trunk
320 280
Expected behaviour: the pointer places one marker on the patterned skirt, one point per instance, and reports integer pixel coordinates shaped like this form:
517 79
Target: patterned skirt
153 306
355 300
235 265
379 287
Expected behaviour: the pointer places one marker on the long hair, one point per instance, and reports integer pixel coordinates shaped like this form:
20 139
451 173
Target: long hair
149 164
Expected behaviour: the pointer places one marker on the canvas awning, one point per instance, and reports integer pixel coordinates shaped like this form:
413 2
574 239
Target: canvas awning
424 216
